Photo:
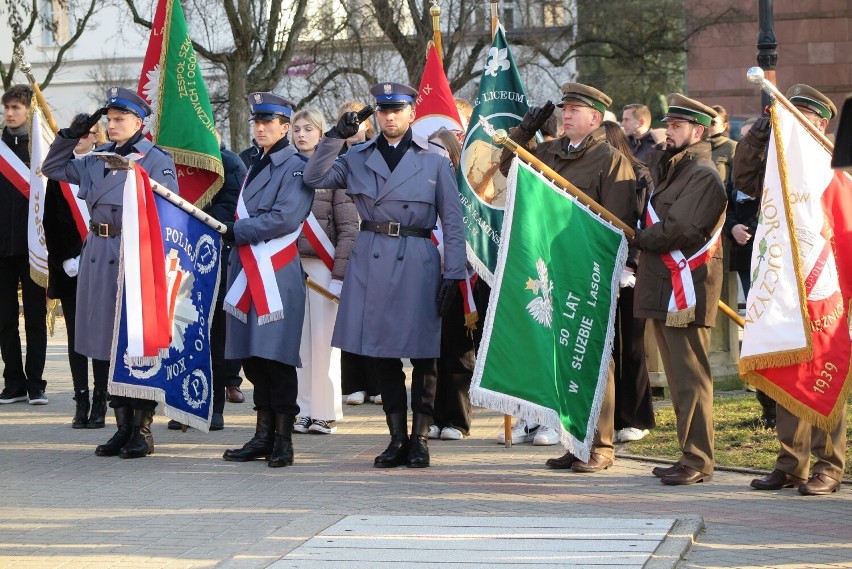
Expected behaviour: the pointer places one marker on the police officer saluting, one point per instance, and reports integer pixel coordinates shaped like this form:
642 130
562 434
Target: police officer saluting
394 293
265 333
97 288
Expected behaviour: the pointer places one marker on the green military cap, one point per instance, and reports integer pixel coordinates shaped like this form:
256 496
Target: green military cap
685 109
586 95
806 96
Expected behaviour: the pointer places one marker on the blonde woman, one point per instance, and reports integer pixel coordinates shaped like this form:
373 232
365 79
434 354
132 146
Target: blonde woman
324 257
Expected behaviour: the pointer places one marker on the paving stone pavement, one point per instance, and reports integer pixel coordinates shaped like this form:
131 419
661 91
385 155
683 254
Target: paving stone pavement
61 506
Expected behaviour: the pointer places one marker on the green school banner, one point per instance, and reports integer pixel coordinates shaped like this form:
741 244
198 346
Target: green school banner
547 341
482 188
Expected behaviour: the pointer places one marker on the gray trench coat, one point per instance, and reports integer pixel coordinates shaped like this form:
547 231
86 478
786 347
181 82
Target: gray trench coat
277 202
102 189
388 306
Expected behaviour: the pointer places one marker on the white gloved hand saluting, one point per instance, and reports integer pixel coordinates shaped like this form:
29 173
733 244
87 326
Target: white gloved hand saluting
71 266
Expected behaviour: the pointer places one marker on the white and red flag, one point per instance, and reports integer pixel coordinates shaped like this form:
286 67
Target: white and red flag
435 104
144 272
796 343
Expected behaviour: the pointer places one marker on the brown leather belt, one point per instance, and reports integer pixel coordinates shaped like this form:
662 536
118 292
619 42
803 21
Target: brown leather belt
104 229
395 229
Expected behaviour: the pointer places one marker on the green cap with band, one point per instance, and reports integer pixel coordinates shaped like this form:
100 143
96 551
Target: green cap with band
806 96
683 108
585 95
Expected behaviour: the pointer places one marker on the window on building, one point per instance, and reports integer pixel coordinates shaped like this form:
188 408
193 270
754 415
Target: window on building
553 13
55 22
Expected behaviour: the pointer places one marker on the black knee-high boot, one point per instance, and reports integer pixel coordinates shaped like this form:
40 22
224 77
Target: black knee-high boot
397 452
81 413
282 449
418 448
141 443
124 422
260 445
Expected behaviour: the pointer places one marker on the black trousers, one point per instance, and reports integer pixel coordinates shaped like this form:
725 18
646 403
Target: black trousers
458 357
217 357
275 385
78 363
19 377
633 404
391 378
232 373
355 375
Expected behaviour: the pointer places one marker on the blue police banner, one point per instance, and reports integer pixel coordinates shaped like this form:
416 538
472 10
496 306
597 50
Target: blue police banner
182 380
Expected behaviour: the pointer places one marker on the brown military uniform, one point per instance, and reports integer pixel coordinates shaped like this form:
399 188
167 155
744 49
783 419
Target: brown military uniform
690 201
796 437
606 176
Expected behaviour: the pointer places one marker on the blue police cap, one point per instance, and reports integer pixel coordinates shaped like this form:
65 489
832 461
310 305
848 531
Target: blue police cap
267 106
393 95
127 101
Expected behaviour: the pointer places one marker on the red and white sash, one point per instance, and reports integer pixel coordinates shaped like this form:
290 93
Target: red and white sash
79 211
681 309
319 240
256 284
14 169
144 266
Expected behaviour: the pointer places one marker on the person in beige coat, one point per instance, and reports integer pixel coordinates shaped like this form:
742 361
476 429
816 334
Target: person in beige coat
689 203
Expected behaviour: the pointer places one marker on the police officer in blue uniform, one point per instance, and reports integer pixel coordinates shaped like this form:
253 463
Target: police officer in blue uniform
102 189
390 306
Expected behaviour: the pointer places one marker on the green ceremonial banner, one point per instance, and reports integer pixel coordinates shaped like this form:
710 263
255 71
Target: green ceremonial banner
482 188
182 121
547 342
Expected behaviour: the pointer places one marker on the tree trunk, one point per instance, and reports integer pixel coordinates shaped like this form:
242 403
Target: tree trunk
238 110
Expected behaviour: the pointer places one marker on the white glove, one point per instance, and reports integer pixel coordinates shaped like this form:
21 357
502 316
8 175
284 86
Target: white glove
628 279
71 266
335 287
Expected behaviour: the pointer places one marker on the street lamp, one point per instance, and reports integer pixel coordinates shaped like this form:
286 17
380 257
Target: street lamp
767 55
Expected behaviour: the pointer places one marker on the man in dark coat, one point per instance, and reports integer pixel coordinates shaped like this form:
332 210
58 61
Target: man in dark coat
636 122
22 383
400 184
97 282
683 219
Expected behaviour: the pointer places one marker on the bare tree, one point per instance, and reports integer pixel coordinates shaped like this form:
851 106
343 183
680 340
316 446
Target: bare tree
65 22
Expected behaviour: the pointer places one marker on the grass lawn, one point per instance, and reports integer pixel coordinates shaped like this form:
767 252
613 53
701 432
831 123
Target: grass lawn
739 442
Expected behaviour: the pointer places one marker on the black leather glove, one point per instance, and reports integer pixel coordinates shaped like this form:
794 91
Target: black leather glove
758 134
229 231
446 296
536 117
349 123
81 125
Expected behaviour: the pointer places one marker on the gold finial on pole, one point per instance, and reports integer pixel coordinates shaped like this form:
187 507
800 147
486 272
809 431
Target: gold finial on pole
26 69
435 11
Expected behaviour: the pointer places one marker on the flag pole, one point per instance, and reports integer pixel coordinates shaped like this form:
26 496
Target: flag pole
25 67
495 20
500 137
435 11
756 76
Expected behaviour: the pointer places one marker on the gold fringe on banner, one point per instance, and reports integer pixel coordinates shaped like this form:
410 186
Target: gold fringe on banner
470 320
681 318
202 161
52 304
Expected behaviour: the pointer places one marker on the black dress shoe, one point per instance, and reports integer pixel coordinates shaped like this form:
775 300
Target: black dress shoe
776 481
819 485
217 422
685 475
564 462
660 471
597 462
174 425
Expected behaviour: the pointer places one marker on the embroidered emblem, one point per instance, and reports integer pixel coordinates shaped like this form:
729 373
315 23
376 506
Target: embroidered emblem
258 98
388 89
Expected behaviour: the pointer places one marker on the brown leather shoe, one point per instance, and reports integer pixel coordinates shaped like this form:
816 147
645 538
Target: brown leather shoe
564 462
660 471
235 395
819 485
597 462
685 475
776 481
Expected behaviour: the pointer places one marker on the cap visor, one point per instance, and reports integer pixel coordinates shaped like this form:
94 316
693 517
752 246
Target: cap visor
123 109
391 106
265 116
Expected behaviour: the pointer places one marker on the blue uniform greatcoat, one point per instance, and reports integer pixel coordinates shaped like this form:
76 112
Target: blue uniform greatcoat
102 189
388 306
277 202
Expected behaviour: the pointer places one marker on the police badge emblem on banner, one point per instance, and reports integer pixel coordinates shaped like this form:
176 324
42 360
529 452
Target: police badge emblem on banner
183 379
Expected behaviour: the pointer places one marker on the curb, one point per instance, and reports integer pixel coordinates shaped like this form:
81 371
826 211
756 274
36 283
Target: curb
677 543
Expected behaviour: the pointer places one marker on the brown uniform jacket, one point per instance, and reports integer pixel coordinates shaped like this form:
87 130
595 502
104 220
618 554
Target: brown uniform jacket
595 167
690 201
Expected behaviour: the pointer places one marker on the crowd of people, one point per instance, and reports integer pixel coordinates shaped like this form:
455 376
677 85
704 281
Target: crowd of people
369 201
